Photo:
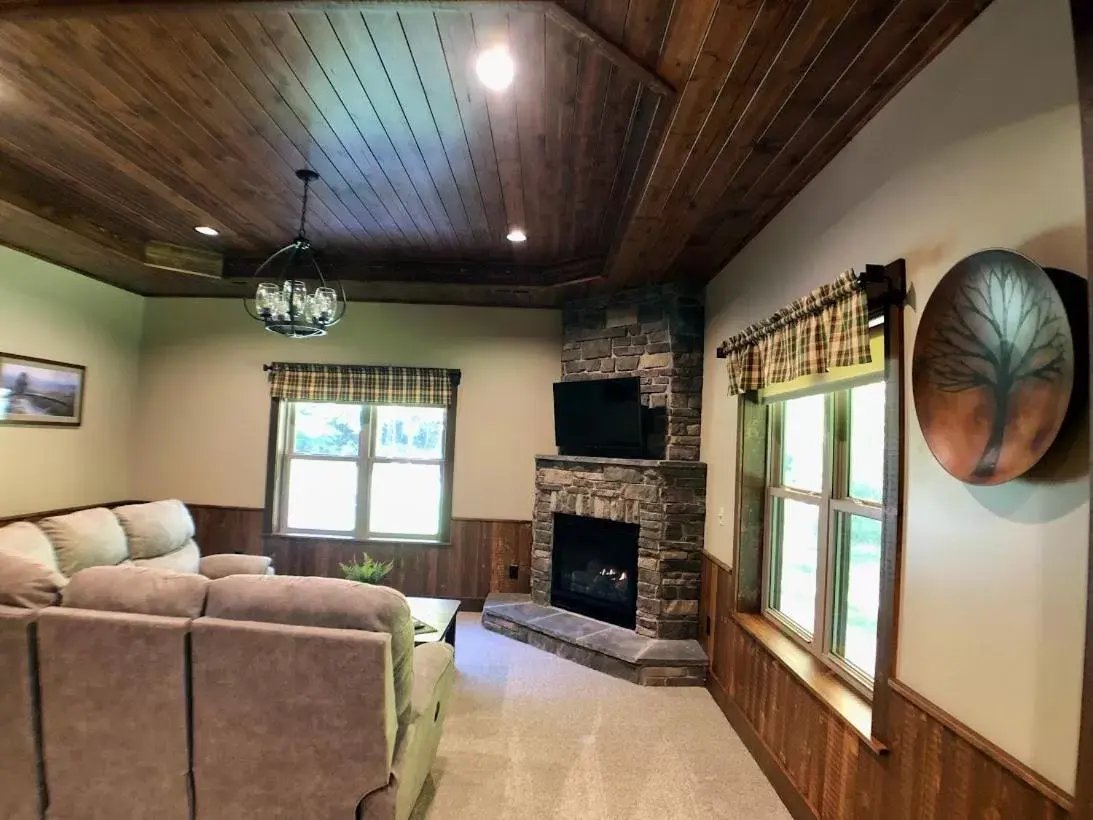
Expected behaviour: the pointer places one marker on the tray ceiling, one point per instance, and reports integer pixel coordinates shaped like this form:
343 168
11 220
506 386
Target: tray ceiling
641 140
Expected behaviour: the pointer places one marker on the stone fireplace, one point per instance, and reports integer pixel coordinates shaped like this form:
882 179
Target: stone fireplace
667 502
617 543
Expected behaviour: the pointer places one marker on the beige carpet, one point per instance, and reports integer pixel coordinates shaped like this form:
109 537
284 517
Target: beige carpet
530 735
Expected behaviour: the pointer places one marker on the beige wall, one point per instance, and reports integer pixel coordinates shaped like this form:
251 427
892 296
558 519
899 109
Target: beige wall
204 401
980 150
196 426
49 312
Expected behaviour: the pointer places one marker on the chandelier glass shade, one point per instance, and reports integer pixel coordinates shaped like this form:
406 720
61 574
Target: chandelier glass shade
283 302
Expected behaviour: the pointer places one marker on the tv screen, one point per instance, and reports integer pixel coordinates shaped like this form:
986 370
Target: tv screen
602 417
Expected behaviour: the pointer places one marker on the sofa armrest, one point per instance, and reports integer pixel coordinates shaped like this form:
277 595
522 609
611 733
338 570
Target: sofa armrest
433 669
434 675
221 566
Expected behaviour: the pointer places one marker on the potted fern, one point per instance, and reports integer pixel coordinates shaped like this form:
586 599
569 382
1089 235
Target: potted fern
366 570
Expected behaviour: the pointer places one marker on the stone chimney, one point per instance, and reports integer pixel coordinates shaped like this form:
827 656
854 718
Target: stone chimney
654 333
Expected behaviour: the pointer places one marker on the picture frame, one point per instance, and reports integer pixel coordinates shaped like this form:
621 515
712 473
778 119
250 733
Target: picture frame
40 392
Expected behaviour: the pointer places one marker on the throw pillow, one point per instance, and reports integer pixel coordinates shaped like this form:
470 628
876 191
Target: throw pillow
24 540
26 584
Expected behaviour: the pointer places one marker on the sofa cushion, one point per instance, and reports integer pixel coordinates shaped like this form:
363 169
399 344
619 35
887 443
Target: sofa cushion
328 602
230 563
137 590
88 538
187 559
26 584
114 705
27 541
156 529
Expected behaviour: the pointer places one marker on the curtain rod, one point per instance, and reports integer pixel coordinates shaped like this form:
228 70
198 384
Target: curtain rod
280 365
891 276
454 374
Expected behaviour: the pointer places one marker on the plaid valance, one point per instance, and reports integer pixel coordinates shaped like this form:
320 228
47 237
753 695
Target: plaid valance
363 384
828 328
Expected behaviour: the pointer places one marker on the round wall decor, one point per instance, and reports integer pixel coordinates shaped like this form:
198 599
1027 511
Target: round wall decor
993 367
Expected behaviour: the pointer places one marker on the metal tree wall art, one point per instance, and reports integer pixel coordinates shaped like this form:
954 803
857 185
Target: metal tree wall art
993 367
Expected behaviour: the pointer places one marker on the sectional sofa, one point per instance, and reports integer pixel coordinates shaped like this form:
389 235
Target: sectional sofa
159 534
134 691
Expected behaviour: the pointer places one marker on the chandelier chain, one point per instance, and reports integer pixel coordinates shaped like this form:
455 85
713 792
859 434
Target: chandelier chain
303 210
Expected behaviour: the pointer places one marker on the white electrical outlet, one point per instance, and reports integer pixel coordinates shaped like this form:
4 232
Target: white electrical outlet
721 516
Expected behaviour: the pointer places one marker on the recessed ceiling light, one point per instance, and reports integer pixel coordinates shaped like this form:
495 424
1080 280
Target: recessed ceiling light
495 68
205 230
517 235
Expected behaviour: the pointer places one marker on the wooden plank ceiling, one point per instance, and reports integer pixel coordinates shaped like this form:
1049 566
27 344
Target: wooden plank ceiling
642 139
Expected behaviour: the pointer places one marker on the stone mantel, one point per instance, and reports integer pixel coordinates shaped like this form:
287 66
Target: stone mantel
667 499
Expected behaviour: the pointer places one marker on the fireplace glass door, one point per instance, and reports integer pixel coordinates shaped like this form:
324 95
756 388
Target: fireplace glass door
595 568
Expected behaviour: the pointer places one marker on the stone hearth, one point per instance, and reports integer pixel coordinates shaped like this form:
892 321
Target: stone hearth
605 648
667 499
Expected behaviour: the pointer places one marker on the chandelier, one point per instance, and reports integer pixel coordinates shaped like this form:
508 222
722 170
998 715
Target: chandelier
286 306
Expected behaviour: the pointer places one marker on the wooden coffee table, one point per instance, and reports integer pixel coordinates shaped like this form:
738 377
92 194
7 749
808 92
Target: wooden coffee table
439 613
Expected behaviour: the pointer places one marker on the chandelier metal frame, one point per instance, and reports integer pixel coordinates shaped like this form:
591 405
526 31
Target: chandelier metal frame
285 306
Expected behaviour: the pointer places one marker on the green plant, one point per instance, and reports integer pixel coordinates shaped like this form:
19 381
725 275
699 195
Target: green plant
366 570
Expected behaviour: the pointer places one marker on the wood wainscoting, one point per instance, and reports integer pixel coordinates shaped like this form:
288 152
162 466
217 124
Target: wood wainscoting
936 768
478 561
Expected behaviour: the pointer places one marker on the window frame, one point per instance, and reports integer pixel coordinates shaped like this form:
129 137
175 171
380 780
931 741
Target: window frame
836 505
280 457
284 471
373 459
886 290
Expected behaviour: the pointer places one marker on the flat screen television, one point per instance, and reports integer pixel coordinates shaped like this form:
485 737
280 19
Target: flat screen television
599 417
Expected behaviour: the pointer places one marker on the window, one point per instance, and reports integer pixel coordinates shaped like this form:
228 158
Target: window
822 543
363 470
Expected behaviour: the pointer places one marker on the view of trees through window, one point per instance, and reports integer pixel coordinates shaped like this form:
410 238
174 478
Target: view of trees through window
327 429
794 593
395 468
797 547
855 635
410 432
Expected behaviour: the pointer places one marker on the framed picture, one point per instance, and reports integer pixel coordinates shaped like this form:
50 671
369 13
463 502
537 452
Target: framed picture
37 391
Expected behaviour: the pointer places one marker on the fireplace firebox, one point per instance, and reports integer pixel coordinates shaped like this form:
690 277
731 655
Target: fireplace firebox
595 568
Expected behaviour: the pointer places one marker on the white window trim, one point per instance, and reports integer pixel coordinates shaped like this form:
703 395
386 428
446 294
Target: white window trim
365 459
832 499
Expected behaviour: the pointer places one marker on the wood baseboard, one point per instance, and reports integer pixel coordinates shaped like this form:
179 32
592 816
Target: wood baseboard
778 777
